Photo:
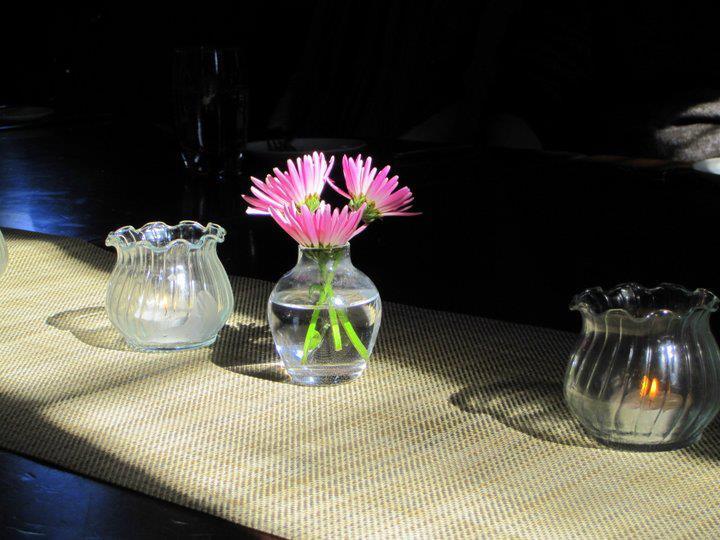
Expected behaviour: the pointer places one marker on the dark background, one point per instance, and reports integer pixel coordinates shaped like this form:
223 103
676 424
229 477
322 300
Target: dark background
590 77
501 116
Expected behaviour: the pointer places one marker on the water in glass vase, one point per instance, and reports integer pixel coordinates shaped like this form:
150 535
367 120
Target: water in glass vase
322 345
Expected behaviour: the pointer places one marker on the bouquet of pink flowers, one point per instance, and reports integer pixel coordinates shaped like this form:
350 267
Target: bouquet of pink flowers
293 198
286 195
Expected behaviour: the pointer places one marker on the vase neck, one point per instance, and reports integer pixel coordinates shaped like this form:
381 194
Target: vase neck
327 258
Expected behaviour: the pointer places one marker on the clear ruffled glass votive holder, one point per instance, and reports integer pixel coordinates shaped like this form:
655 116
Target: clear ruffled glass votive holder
168 290
645 374
3 254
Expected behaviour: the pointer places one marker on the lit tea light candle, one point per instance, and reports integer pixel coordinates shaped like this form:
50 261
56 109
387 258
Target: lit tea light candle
652 394
651 408
648 387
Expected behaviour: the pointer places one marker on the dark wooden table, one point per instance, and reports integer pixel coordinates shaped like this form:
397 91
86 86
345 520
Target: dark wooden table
41 501
505 234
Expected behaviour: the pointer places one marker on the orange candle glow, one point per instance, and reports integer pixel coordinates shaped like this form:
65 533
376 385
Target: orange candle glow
649 387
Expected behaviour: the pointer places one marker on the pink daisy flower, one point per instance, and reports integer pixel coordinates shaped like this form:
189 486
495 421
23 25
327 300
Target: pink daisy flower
380 194
324 228
299 186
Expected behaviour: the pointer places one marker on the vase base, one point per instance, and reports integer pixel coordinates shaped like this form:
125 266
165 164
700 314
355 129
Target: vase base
169 347
652 447
323 376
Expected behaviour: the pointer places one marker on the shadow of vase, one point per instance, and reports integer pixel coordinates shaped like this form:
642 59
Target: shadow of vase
91 326
245 349
535 408
248 349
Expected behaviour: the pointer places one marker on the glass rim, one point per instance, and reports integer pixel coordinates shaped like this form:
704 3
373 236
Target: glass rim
129 237
598 302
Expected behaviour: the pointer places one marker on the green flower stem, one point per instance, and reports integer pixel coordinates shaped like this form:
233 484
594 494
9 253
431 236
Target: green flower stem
330 300
350 331
311 329
326 299
337 338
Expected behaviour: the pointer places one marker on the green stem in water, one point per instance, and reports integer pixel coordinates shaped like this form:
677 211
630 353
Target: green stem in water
330 300
352 335
311 331
327 298
337 338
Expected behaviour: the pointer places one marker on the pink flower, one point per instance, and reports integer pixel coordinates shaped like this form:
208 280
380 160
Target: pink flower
365 185
324 228
300 185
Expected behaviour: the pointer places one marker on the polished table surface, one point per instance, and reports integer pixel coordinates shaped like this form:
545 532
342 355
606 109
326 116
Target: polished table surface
42 501
505 234
509 234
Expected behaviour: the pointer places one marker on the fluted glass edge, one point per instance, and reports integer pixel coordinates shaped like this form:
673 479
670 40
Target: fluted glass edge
628 300
128 236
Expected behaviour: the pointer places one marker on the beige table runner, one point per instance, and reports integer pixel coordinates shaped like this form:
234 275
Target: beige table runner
457 428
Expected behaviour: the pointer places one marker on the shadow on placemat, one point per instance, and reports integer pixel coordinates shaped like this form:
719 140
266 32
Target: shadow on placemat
535 408
91 326
247 349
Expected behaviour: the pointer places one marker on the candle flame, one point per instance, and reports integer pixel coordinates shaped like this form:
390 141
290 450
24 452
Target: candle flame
649 387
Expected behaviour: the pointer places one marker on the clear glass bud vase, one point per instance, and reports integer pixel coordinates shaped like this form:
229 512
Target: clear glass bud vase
168 290
324 317
645 373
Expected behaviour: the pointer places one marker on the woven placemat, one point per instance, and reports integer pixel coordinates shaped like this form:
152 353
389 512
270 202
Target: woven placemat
456 429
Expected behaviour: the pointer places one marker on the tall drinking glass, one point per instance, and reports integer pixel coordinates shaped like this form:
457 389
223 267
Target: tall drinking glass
210 101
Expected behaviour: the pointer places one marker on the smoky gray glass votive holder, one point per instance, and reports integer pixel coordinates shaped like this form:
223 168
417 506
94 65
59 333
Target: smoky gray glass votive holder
645 373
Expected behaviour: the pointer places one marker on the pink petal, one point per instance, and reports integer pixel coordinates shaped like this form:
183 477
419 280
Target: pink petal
336 188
